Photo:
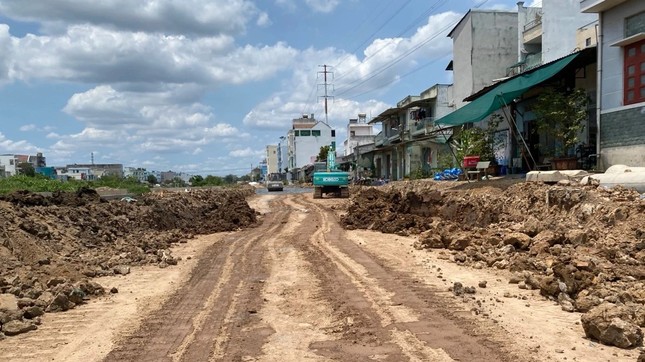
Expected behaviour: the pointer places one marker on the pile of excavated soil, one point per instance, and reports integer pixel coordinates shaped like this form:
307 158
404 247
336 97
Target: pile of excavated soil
581 246
51 247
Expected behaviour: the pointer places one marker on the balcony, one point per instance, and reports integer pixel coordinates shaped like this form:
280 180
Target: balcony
421 126
533 32
379 139
597 6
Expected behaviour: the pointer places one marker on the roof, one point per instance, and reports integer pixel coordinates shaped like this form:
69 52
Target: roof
381 117
477 11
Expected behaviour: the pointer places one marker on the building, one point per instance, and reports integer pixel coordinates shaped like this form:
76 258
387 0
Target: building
410 140
359 133
550 32
136 172
83 173
484 45
99 170
11 163
304 140
272 158
621 84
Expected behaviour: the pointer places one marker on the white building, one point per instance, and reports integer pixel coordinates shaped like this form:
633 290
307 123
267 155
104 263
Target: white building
8 162
550 32
272 159
359 133
77 173
304 140
137 172
621 87
484 45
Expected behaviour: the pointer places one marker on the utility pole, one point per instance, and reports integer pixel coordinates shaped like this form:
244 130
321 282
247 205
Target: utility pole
326 85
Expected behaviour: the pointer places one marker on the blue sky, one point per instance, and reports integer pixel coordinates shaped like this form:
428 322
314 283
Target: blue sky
202 86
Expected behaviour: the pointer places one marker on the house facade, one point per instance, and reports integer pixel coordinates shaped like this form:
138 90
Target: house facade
272 157
359 133
9 163
621 85
484 44
410 140
304 140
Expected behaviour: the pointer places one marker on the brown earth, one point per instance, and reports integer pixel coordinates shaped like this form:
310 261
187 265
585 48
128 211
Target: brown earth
425 272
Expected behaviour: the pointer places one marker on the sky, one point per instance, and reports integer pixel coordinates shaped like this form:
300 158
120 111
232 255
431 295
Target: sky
202 86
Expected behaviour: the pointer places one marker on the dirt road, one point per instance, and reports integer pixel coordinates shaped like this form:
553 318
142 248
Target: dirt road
299 287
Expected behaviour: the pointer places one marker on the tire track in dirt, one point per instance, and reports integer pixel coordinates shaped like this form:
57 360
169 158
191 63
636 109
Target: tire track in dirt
403 316
206 317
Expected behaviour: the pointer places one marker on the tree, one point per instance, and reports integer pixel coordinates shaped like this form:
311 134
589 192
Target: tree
322 155
230 179
152 180
196 180
562 116
27 169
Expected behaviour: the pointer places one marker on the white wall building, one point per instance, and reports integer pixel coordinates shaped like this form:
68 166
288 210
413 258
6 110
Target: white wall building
621 87
359 133
9 164
272 159
550 32
484 45
304 140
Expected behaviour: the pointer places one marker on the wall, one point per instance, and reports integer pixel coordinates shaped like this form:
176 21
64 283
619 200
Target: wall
560 20
487 38
613 30
307 147
622 137
272 159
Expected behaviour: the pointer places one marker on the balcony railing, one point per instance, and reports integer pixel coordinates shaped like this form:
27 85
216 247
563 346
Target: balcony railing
421 125
533 24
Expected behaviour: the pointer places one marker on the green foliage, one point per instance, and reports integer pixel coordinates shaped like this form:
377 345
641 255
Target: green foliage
40 183
152 180
445 160
27 169
196 180
322 155
420 173
562 116
480 142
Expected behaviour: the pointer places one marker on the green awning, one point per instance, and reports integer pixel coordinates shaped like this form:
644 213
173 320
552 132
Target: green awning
503 93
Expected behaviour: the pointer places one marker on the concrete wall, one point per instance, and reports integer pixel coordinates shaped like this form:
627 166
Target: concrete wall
622 137
560 20
308 147
613 30
272 159
484 45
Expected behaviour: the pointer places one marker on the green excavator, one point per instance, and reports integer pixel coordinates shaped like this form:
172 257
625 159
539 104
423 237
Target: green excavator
330 180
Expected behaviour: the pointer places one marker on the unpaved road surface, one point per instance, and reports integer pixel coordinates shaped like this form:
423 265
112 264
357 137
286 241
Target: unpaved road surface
298 287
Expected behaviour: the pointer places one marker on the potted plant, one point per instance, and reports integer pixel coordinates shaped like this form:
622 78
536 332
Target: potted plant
481 142
562 115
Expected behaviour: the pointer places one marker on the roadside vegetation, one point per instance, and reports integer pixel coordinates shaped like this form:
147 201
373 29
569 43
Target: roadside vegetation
38 183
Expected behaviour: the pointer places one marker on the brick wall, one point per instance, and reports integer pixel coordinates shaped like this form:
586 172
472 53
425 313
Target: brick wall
623 128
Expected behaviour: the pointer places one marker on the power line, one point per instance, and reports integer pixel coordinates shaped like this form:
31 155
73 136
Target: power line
326 85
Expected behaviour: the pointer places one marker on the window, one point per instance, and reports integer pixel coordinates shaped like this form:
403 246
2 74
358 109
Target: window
333 133
588 42
315 132
296 133
352 133
305 133
634 73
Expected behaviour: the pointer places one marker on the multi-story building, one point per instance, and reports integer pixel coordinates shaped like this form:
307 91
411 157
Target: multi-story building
304 140
359 132
621 84
137 172
484 45
410 139
11 162
75 172
99 170
550 32
272 158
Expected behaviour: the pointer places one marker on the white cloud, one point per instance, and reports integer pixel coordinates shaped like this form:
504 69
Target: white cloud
322 6
246 152
202 17
10 146
96 55
28 127
264 20
6 54
535 3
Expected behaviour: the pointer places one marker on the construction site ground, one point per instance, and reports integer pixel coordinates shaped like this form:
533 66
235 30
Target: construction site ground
410 271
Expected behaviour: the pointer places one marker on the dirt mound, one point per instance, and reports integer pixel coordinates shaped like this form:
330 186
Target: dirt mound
580 246
51 247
